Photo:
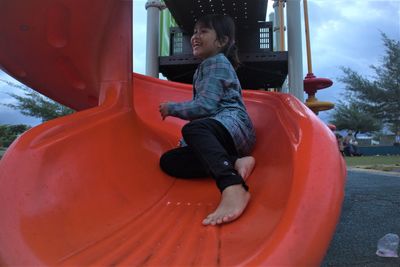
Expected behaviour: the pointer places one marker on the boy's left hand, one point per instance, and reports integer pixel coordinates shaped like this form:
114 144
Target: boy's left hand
163 108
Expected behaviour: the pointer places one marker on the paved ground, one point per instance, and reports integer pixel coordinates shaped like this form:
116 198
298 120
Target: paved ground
371 209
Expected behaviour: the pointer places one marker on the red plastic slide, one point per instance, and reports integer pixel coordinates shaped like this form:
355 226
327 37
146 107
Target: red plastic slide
86 189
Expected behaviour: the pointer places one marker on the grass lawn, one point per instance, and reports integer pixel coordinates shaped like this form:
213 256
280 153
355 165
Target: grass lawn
383 163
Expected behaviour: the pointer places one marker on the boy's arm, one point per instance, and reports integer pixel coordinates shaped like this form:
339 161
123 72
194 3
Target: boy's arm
209 91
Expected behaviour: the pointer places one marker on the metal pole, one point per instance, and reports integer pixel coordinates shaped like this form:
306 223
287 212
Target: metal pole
153 8
308 43
271 18
282 25
294 32
277 35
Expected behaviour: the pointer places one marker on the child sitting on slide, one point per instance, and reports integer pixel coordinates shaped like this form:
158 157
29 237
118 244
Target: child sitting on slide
220 135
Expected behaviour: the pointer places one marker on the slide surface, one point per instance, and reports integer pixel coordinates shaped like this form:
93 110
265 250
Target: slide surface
86 189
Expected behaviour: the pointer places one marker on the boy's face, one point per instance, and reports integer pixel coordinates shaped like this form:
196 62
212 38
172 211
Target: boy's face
204 42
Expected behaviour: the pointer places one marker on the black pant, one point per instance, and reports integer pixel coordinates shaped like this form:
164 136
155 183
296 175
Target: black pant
210 152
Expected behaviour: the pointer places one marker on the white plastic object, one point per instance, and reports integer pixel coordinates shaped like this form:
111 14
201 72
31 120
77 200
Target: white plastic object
388 245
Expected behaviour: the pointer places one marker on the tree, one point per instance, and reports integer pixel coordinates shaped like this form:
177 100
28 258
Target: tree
352 117
8 133
36 105
379 97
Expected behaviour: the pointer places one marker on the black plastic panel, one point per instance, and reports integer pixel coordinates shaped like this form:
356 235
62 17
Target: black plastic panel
257 70
244 12
255 39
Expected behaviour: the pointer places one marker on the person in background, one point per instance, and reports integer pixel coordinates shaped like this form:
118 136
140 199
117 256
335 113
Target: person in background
339 139
397 139
350 145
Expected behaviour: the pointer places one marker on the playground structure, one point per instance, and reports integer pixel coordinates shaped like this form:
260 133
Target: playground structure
86 189
264 61
261 67
312 83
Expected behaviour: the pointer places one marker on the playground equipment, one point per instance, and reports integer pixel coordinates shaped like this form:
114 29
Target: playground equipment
86 189
311 82
261 67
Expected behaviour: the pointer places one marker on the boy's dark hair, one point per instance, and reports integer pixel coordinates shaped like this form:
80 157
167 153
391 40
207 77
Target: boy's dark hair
224 26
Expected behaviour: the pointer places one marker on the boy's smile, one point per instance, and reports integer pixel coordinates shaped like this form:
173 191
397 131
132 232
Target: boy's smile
204 43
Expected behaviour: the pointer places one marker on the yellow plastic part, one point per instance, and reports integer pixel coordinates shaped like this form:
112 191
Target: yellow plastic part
316 106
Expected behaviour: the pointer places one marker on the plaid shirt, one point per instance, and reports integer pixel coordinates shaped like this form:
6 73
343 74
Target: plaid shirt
217 94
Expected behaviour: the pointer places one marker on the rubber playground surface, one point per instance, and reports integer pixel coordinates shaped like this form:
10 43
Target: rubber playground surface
371 209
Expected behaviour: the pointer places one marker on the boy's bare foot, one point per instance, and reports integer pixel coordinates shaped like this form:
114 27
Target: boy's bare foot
234 200
244 166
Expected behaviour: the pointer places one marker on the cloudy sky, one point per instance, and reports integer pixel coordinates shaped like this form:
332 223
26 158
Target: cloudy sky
343 33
